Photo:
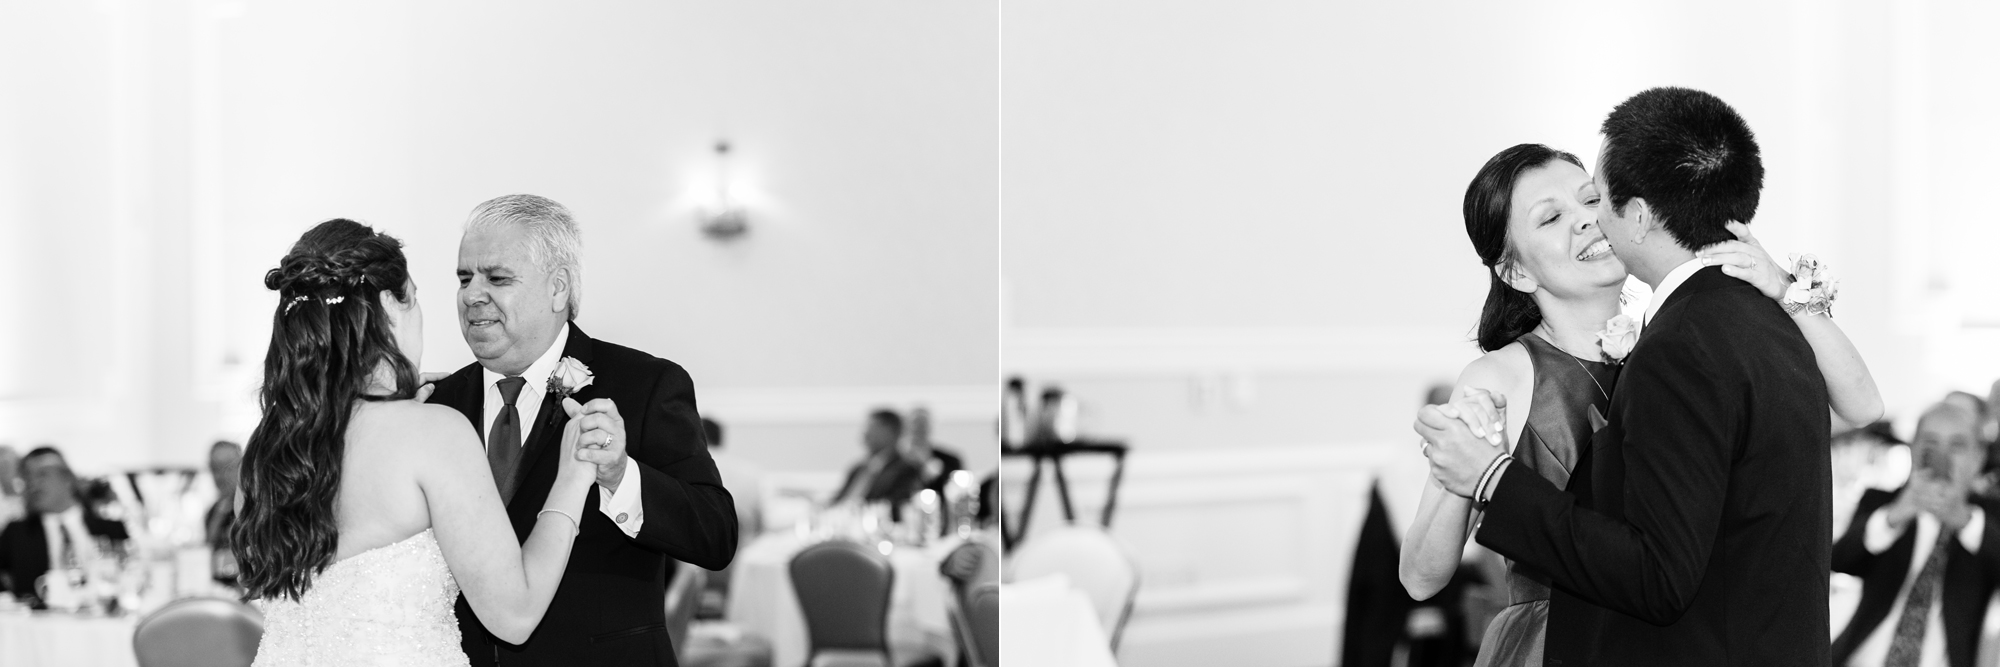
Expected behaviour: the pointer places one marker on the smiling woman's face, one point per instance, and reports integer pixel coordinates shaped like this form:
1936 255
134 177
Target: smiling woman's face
1552 231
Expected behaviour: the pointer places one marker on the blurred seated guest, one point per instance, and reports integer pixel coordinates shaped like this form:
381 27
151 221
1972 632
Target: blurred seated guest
58 529
1928 554
884 475
1990 431
225 458
1863 458
743 479
937 462
12 505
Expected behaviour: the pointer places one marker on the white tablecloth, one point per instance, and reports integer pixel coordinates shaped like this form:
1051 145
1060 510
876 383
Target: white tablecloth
761 601
63 640
1047 623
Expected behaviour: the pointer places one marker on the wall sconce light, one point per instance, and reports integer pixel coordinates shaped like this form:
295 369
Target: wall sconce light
726 219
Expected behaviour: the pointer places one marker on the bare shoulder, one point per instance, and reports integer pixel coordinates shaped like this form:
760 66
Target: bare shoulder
1505 370
419 428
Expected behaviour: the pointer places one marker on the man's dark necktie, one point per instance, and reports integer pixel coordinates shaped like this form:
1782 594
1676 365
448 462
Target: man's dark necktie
1906 646
503 442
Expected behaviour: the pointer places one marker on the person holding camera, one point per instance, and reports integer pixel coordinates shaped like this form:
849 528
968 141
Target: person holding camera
1928 556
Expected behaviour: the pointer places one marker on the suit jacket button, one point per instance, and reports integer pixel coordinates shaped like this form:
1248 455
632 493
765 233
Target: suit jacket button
621 517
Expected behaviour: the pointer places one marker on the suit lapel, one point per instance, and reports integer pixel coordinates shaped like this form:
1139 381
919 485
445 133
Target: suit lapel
551 419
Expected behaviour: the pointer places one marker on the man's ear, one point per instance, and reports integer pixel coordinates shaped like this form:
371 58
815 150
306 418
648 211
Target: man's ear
1644 223
559 286
1511 273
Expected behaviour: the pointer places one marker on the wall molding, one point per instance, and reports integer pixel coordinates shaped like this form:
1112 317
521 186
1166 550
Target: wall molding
1291 513
819 405
1075 351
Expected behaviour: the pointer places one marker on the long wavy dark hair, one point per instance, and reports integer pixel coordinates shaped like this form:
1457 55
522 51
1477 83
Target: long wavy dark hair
1509 313
330 336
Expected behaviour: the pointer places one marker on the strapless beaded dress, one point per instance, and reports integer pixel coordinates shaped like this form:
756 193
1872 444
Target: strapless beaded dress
391 605
1567 392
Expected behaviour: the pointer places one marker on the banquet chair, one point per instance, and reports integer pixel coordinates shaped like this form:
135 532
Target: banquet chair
683 598
843 587
198 632
1095 564
975 619
963 585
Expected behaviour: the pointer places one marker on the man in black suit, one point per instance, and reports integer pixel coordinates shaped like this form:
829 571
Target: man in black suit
1928 554
1697 527
659 495
59 526
884 474
935 461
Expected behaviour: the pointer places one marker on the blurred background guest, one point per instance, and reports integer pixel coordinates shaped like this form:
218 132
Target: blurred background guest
883 474
741 476
12 506
59 530
1928 553
225 458
934 461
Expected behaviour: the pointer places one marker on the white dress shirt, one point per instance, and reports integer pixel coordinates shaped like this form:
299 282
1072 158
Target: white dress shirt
66 528
1674 278
1879 536
624 507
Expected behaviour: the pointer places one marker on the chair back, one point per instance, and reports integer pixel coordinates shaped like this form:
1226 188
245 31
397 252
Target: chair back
843 588
1094 562
683 598
199 632
982 616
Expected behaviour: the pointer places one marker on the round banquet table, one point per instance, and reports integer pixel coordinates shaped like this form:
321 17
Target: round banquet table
761 600
53 638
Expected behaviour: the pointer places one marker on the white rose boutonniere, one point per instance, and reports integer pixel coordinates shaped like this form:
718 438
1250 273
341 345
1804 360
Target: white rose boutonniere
1812 289
1619 335
569 376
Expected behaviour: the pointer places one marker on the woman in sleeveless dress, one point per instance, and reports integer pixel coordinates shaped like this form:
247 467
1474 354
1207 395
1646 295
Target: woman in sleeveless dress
364 513
1531 215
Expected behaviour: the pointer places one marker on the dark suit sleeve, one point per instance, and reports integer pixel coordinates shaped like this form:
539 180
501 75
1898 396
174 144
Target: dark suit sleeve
1989 543
1677 443
1850 553
689 515
7 537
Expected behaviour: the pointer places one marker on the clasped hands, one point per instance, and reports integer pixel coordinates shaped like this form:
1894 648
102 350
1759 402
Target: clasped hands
601 439
1463 437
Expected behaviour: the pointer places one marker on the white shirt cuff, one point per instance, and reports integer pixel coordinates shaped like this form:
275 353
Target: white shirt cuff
1974 530
1879 535
624 507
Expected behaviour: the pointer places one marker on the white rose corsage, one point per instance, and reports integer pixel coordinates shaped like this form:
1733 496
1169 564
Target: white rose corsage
1812 289
1619 335
569 376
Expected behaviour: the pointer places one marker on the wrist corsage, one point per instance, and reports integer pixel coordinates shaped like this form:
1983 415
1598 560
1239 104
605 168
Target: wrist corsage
1619 335
1813 288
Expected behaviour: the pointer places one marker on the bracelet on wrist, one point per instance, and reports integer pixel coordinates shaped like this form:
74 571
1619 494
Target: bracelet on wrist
573 523
1484 494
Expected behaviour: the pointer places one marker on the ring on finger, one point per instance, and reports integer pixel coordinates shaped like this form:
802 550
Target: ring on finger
607 441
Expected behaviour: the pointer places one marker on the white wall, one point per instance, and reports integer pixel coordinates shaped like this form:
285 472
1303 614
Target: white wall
1234 228
158 157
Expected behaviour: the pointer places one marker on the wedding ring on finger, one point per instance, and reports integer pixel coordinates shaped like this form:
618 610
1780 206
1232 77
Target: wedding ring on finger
1424 445
607 442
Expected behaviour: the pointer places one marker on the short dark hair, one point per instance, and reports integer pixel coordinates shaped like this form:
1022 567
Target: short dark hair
44 450
1690 156
711 430
888 418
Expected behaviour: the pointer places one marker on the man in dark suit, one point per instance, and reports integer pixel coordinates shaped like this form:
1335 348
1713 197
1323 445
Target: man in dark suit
1928 554
1697 527
884 474
59 526
935 461
659 495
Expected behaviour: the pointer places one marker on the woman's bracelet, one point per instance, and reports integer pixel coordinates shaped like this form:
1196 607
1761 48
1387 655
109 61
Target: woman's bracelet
572 520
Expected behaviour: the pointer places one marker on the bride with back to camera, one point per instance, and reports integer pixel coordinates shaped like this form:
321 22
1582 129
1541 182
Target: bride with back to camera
363 512
1553 335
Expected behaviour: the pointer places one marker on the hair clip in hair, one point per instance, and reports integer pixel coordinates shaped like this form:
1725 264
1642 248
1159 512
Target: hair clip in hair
295 302
335 299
